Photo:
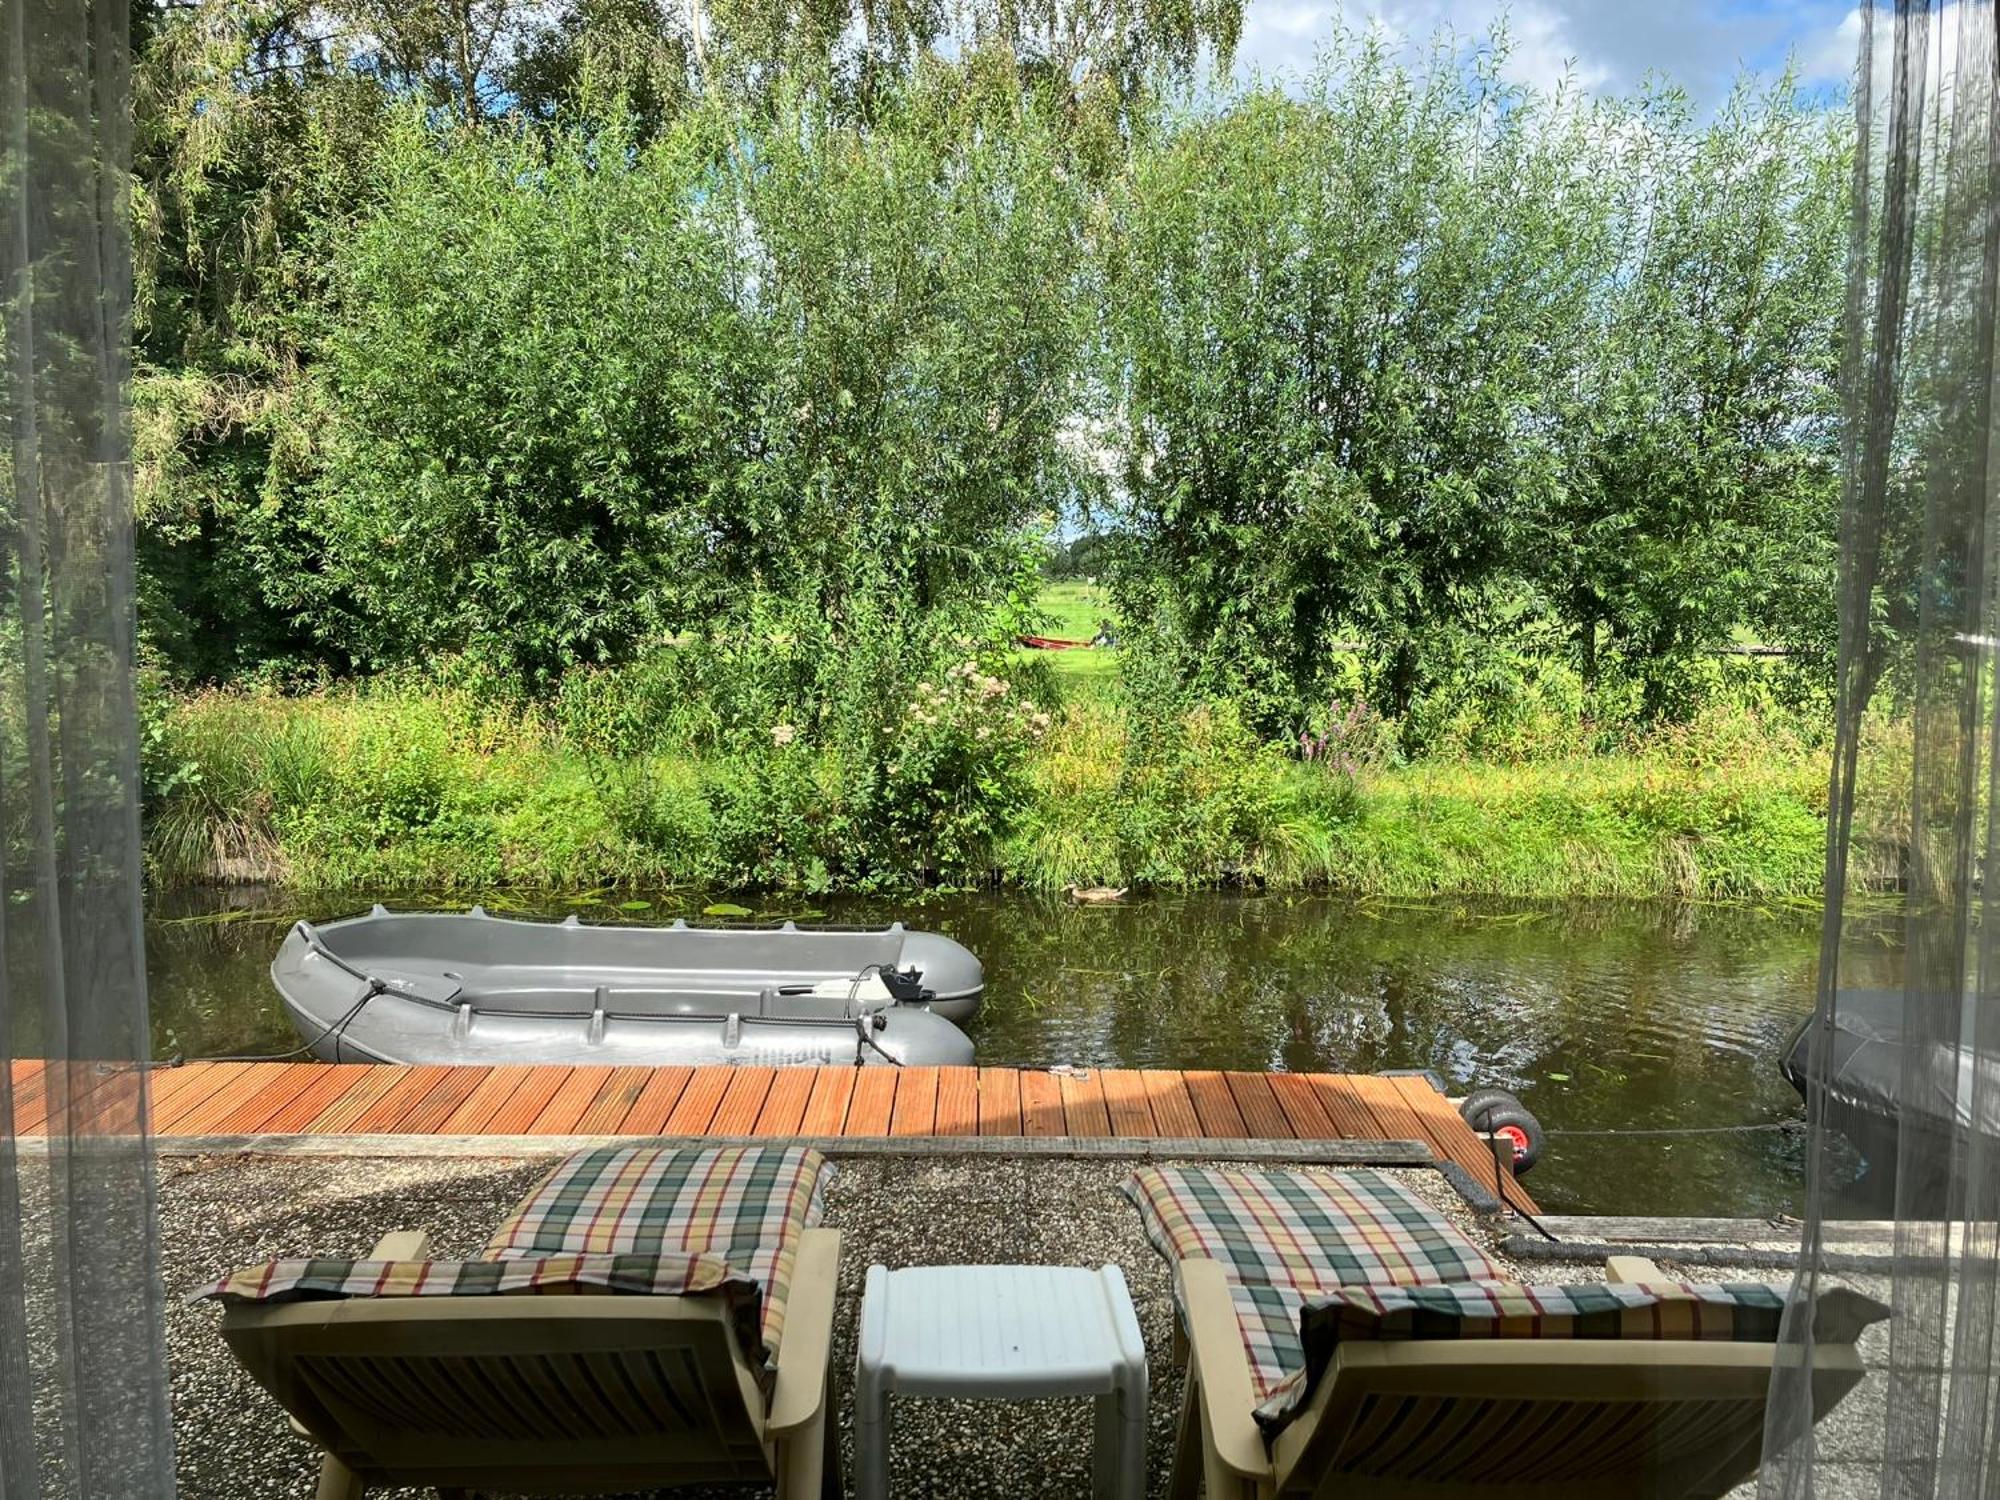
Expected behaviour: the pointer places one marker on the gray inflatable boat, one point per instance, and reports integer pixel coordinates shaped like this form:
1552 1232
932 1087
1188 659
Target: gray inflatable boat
431 987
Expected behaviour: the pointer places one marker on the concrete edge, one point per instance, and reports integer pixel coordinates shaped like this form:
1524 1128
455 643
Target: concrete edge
1372 1153
1527 1247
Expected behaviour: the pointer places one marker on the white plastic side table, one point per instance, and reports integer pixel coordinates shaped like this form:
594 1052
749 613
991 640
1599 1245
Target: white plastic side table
1004 1333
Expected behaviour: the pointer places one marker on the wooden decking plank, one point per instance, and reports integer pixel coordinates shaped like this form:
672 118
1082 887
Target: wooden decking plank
441 1102
1336 1095
526 1102
1394 1119
874 1099
31 1106
1459 1141
218 1104
174 1090
1041 1104
375 1080
1448 1136
607 1112
1125 1101
570 1103
741 1101
390 1109
785 1106
1084 1110
283 1098
650 1111
63 1091
1261 1115
1214 1105
999 1101
248 1118
826 1107
1295 1096
330 1081
166 1085
1173 1109
476 1110
957 1101
215 1080
694 1111
915 1111
101 1099
24 1074
697 1103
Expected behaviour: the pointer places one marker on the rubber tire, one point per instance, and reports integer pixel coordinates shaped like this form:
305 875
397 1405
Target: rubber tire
1480 1100
1515 1119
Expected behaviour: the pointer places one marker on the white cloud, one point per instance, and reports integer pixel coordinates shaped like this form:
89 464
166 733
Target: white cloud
1601 44
1829 57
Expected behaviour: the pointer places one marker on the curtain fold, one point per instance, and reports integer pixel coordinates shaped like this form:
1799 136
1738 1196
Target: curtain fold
1915 753
83 1406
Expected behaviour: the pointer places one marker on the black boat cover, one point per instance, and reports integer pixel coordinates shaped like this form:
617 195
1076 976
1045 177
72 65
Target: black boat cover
1865 1067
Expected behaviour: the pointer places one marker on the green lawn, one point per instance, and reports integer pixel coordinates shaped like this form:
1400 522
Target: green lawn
1072 612
1075 610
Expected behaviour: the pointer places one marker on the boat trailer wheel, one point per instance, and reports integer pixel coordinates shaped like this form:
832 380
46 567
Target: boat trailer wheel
1497 1113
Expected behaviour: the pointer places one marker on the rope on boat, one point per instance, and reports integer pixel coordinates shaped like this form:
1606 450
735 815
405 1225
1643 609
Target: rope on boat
375 987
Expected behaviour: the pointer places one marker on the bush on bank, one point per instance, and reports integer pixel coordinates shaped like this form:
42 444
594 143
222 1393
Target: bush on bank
975 778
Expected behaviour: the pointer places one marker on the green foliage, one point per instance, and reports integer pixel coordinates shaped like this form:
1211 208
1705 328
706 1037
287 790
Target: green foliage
1458 370
402 785
1338 310
1699 486
533 475
636 438
824 363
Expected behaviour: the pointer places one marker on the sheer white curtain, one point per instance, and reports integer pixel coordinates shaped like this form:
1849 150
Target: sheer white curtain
83 1407
1919 720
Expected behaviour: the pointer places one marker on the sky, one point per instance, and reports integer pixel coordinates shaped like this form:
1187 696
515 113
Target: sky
1609 44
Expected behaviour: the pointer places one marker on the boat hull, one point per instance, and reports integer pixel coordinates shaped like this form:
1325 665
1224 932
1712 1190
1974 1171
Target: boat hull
1905 1106
473 989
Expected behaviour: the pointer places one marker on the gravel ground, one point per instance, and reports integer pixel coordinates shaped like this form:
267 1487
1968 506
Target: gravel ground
234 1444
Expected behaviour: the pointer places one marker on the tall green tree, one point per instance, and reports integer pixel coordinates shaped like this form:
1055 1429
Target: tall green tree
1339 315
1698 488
579 393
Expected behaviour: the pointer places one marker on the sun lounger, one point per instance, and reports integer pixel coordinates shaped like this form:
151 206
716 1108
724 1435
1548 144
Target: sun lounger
1309 1376
646 1317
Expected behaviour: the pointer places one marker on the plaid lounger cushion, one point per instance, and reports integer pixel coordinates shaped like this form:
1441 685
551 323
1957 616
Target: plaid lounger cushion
1309 1231
745 1204
1288 1360
544 1276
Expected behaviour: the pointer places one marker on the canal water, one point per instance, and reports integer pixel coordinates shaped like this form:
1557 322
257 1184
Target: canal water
1606 1019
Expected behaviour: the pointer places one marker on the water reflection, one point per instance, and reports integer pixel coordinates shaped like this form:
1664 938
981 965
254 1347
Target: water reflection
1601 1017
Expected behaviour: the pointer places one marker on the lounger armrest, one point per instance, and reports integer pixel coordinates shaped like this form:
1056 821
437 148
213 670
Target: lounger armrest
402 1244
1217 1357
1632 1269
800 1389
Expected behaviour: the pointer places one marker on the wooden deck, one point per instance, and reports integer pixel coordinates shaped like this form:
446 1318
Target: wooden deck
247 1099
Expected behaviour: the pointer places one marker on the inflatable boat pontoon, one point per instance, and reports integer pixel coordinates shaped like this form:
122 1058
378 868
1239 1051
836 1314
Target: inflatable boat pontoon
428 987
1902 1104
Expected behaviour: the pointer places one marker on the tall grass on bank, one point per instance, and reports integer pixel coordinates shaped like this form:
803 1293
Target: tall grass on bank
393 785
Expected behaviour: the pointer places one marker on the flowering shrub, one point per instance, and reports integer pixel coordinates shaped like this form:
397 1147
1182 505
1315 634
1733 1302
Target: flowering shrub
955 769
1349 742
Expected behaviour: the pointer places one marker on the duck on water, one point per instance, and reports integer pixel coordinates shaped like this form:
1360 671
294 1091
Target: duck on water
431 987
